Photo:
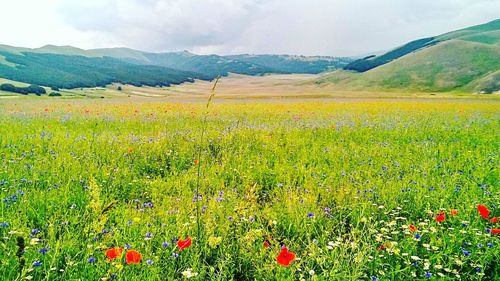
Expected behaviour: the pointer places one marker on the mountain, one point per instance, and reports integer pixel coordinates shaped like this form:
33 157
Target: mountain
65 71
294 64
70 67
212 65
463 60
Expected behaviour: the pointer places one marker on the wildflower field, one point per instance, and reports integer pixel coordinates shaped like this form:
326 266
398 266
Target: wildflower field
322 190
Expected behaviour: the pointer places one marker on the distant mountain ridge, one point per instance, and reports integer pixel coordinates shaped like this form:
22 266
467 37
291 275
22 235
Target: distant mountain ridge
466 60
71 67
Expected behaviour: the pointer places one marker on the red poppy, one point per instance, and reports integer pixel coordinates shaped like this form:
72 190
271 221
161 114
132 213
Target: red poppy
441 217
412 228
266 244
133 257
494 220
453 212
483 211
381 247
114 253
495 231
285 257
184 244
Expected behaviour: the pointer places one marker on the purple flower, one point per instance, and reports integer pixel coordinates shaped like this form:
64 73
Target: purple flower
128 246
148 235
150 262
91 260
310 215
165 244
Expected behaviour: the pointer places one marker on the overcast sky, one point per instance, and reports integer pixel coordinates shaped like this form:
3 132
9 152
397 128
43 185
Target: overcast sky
308 27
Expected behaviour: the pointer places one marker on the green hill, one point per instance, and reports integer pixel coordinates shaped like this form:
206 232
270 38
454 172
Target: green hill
63 71
465 60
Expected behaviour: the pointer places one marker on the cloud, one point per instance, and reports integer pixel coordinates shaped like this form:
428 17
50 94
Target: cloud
322 27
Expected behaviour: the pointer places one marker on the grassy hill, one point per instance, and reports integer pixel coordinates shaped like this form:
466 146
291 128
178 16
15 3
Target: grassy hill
465 60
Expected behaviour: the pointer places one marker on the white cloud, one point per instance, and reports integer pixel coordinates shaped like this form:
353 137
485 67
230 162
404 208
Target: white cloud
329 27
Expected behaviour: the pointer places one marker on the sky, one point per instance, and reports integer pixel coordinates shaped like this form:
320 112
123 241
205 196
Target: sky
301 27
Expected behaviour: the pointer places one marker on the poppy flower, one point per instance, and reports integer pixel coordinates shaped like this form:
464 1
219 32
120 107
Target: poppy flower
453 212
133 257
483 211
412 228
285 257
440 217
184 244
196 161
494 220
495 231
114 253
266 244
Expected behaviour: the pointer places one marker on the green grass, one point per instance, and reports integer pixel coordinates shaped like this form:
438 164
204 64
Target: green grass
80 172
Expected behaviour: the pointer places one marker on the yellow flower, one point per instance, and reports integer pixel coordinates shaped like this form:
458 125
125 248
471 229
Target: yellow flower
214 241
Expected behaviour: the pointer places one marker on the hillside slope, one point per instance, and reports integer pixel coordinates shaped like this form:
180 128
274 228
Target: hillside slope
467 60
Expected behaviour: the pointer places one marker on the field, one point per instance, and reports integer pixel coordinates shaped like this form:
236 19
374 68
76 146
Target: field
356 189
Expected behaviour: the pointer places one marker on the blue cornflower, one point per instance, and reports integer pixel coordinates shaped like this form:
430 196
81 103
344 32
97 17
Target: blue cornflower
37 263
478 269
91 260
374 278
35 231
148 235
114 276
489 245
175 255
418 236
310 215
428 274
128 246
466 253
44 250
4 224
150 262
479 245
165 244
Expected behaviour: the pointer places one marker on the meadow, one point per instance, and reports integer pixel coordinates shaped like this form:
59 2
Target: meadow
355 189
